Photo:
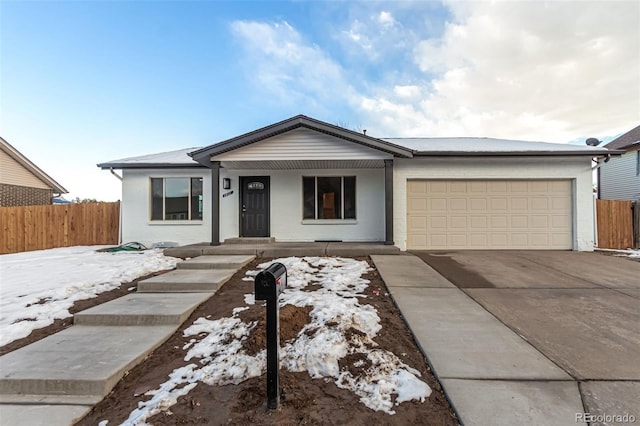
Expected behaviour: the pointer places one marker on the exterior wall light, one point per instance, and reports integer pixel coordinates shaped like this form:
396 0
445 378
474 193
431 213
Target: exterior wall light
226 183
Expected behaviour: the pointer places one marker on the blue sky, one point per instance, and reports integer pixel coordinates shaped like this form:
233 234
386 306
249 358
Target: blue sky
84 82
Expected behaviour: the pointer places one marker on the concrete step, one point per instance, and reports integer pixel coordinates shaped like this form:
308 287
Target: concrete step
250 240
81 361
186 281
216 262
143 309
42 415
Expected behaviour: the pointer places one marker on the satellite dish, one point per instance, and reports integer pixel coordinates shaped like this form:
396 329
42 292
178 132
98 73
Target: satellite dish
592 142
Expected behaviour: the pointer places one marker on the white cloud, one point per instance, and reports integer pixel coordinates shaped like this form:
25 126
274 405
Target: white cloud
377 36
386 19
527 70
283 63
552 71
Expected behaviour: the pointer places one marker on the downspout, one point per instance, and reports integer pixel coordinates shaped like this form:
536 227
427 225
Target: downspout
120 209
115 174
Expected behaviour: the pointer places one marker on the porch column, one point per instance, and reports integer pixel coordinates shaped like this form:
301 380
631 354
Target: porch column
215 203
388 202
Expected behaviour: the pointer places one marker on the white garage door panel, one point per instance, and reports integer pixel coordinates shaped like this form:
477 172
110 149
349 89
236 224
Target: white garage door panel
534 214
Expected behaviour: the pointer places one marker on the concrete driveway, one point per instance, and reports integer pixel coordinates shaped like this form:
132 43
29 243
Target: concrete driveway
550 337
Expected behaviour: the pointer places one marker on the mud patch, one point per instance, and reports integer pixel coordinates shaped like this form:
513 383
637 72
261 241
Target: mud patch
292 321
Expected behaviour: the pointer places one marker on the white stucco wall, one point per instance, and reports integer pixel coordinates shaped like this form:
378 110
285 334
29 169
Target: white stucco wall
286 206
578 169
136 209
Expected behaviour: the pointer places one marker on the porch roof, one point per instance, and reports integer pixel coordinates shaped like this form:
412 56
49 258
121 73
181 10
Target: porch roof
203 156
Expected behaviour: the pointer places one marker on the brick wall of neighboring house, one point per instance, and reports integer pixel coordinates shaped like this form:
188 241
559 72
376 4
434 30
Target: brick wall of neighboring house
14 195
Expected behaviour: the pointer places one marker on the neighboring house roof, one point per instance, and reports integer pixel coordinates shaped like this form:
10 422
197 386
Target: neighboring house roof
204 155
491 146
626 141
170 159
16 155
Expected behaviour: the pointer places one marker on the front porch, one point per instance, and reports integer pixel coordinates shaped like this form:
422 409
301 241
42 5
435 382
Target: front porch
283 249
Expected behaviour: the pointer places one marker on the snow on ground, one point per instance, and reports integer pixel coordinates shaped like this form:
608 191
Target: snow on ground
336 310
38 287
632 253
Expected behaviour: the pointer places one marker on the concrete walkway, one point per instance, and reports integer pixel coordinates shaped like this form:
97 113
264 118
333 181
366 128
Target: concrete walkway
57 380
259 248
491 374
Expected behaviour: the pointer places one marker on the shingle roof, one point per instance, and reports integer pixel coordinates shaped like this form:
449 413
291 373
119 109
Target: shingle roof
629 139
491 146
178 158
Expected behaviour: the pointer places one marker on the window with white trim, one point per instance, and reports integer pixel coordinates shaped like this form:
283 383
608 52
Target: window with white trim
176 198
329 197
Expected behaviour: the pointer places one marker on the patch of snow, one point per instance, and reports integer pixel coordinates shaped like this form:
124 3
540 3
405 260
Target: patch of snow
339 326
38 287
470 144
180 157
632 253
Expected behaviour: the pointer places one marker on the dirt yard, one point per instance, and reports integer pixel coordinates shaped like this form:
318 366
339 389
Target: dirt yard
303 400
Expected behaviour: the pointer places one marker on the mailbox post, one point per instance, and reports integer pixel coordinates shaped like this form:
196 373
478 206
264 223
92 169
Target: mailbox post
268 285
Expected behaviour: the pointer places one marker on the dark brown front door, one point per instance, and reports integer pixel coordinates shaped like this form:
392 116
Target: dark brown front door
254 206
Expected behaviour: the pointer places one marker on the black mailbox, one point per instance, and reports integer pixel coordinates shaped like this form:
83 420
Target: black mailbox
269 283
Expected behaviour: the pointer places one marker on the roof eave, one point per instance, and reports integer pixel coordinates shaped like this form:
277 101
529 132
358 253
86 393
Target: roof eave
515 153
121 166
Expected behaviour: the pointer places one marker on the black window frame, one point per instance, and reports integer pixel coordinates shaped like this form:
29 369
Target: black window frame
194 200
347 207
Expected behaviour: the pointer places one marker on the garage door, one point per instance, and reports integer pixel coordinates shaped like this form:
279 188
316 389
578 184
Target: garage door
495 214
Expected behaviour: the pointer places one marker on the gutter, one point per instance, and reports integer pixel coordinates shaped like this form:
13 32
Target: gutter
515 153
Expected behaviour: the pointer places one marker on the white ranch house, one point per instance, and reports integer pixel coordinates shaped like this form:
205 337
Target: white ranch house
306 180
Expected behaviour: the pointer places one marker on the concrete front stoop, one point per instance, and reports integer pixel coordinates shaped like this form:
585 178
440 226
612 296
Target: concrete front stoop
57 380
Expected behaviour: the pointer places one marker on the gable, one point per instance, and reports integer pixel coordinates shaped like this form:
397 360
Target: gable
14 173
302 144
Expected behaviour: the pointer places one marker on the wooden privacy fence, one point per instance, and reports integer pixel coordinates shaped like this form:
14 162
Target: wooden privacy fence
41 227
615 224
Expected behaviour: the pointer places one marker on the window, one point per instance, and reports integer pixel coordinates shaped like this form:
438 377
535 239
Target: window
176 198
329 197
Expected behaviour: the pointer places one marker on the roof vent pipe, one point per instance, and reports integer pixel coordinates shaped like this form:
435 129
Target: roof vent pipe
364 132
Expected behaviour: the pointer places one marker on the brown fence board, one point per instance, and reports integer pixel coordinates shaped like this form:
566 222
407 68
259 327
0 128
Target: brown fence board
615 224
41 227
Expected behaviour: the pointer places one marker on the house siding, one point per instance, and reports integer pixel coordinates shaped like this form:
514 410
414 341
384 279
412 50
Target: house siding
13 173
578 170
302 144
136 209
618 178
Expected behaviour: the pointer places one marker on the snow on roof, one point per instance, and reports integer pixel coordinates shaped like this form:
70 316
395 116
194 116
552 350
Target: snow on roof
425 146
475 145
171 158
